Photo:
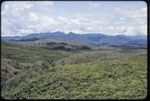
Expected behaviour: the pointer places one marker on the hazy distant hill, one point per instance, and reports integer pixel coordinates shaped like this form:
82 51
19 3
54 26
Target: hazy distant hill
96 38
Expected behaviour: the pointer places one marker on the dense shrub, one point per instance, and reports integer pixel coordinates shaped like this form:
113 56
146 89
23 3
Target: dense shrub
45 64
36 73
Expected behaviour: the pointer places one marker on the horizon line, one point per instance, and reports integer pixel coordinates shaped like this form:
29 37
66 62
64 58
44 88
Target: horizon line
74 33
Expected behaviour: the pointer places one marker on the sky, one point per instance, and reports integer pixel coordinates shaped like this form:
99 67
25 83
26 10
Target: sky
19 18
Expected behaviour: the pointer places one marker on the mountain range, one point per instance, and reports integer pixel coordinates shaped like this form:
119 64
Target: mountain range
96 38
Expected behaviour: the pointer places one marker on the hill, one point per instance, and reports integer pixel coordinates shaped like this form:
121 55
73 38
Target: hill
34 72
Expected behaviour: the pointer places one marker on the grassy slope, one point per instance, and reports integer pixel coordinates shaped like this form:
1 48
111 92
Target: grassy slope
28 54
93 75
20 63
106 79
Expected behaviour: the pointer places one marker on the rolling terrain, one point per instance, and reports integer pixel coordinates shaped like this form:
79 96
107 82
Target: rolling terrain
54 69
74 50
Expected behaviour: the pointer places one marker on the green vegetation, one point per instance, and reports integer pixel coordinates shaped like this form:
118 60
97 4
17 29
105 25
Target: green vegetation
28 54
37 73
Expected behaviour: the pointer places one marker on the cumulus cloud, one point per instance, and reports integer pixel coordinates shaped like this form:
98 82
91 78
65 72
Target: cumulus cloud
20 17
131 21
24 17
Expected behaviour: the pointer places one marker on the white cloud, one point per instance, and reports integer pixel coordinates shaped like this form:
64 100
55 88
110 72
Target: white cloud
15 7
24 17
134 21
41 3
144 9
96 4
20 17
33 17
117 9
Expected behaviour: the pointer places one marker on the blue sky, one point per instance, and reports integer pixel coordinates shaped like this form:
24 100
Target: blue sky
112 18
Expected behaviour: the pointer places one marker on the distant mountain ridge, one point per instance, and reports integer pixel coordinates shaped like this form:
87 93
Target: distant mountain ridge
96 38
